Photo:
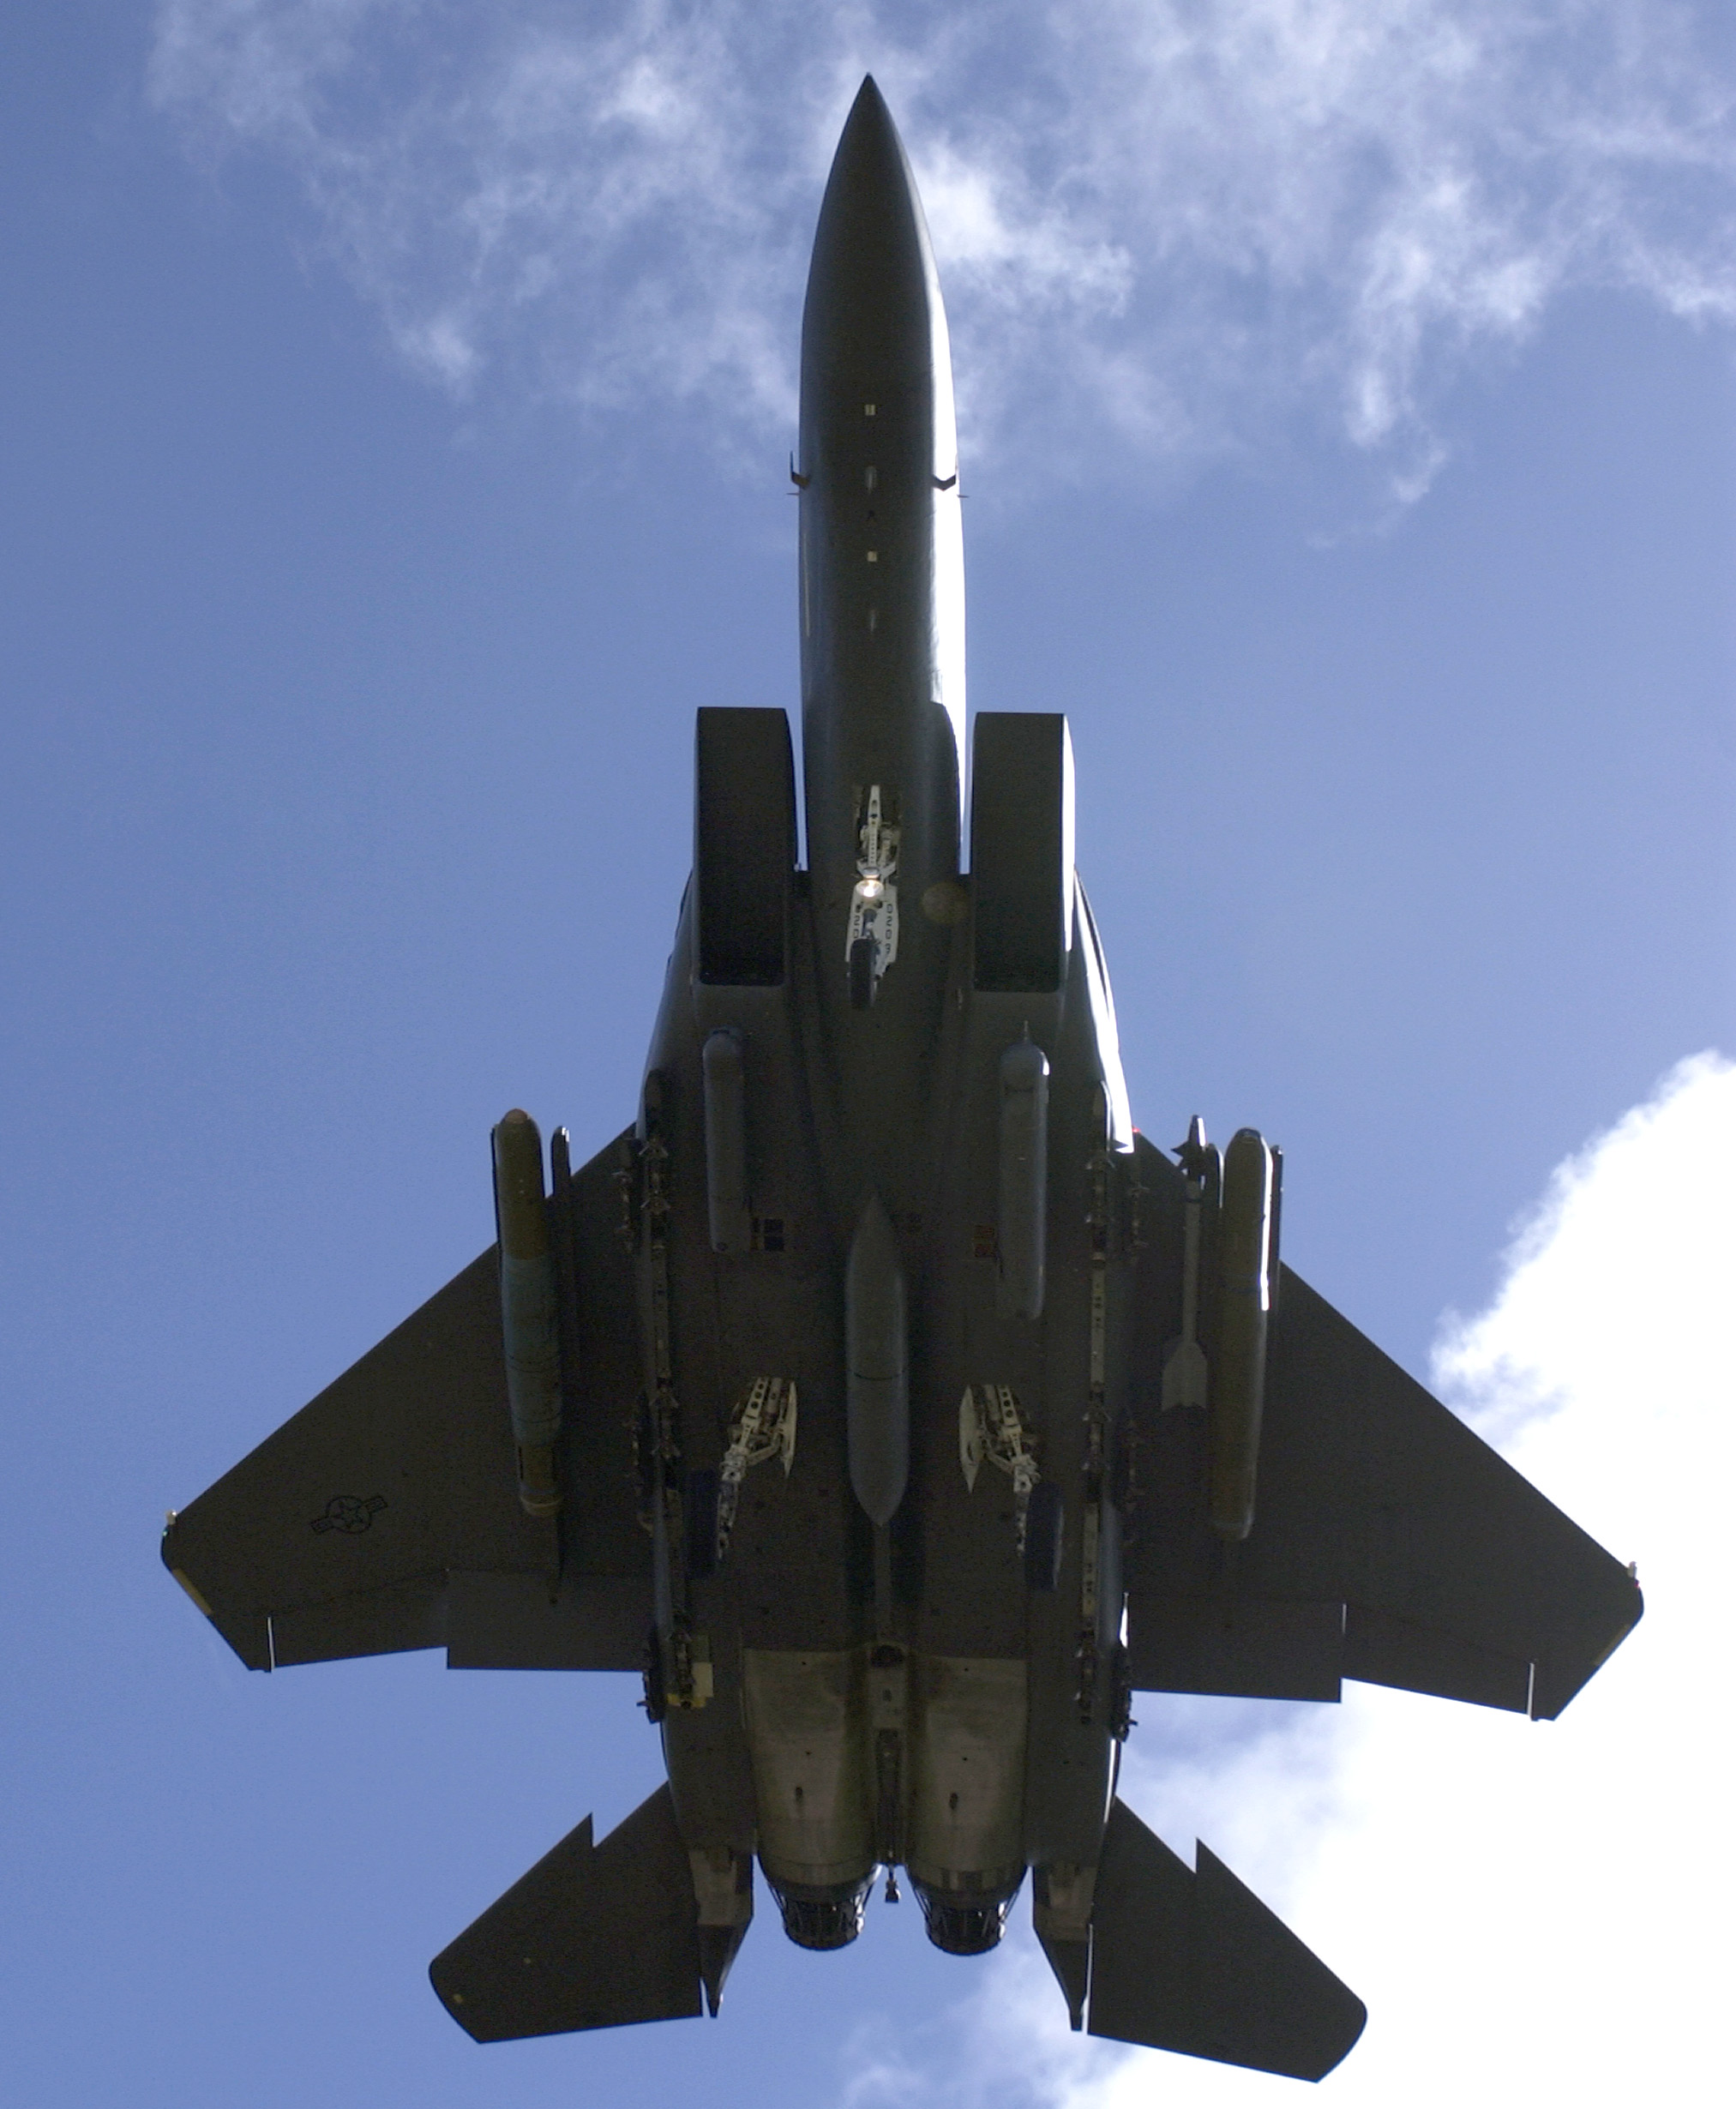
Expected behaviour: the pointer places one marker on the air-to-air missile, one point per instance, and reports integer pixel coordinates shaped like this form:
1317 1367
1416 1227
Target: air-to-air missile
879 1394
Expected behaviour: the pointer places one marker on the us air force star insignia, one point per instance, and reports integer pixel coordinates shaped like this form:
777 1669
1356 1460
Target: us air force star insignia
350 1512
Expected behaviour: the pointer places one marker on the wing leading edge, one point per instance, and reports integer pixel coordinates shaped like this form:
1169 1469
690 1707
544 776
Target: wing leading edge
385 1514
1390 1543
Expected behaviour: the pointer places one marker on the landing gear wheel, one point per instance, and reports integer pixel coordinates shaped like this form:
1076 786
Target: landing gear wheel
1045 1522
861 974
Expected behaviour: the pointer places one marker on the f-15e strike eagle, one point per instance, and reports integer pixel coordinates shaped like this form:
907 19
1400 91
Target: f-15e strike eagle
880 1394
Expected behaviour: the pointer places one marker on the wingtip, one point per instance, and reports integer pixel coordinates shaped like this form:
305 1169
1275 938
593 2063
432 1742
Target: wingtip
1353 2036
450 1998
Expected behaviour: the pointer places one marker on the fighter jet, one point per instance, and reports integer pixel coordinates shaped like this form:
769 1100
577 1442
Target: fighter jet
880 1394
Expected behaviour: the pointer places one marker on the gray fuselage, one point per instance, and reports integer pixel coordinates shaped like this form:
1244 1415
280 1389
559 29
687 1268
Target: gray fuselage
894 1219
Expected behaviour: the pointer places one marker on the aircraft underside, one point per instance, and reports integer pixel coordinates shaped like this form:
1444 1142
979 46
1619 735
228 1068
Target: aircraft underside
878 1394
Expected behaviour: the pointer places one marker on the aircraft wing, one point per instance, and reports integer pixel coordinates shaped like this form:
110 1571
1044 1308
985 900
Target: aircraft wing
385 1514
1390 1543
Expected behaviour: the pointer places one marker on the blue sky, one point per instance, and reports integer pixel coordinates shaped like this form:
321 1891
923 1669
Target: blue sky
396 401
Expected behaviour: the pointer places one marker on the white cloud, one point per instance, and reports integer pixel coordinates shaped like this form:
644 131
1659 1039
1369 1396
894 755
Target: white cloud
1656 1172
1533 1912
1162 222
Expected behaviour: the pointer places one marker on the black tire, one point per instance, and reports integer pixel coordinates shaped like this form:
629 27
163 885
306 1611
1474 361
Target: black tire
700 1514
861 974
1045 1527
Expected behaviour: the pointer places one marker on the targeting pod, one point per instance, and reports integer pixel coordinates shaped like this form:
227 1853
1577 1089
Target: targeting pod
1024 1201
529 1318
1245 1301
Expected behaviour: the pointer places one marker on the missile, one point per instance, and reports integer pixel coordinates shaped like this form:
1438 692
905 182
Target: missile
1245 1303
1023 1197
529 1318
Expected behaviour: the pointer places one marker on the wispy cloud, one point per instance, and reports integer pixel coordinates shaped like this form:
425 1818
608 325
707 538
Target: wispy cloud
1611 1282
1167 222
1532 1912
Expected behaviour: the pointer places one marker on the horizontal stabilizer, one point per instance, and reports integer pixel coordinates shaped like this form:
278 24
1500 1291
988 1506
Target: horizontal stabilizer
594 1937
1194 1962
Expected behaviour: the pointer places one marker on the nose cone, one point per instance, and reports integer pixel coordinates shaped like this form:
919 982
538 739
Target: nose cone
882 571
872 324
